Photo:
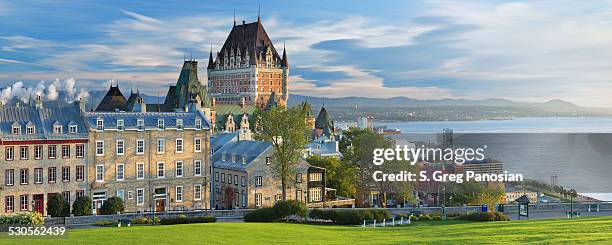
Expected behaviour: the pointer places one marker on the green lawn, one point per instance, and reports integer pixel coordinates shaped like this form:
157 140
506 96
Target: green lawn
583 230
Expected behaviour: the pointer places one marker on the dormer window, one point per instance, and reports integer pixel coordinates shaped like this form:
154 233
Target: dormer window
179 124
57 129
73 129
120 125
140 124
198 124
30 130
16 130
160 124
100 124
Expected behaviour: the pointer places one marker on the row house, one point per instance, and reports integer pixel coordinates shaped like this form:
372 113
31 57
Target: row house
44 153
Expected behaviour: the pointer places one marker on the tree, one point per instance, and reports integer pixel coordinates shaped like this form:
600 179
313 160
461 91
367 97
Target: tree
286 130
56 206
82 206
339 175
112 206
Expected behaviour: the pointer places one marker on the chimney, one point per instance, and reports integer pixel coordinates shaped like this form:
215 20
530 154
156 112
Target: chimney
38 102
1 104
214 102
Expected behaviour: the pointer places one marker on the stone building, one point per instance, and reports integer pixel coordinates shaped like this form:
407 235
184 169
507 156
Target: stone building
243 177
44 153
134 155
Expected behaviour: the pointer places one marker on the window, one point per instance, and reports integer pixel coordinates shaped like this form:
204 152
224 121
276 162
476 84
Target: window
99 148
99 173
139 196
30 130
57 129
197 192
8 203
38 176
258 199
217 176
278 197
80 193
80 173
179 194
66 195
140 147
160 124
222 177
65 151
197 167
23 176
72 129
258 181
100 124
140 124
38 152
9 153
23 204
52 151
140 170
80 151
243 181
179 169
229 179
179 145
198 124
23 153
179 124
120 125
298 178
314 194
120 147
315 177
121 194
268 162
120 169
235 179
298 195
197 145
244 199
161 145
160 170
16 129
130 195
9 177
51 174
66 174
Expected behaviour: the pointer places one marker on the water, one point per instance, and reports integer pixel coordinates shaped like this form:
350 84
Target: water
577 150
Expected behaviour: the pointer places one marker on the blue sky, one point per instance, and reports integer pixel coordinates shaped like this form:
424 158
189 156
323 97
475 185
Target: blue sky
520 50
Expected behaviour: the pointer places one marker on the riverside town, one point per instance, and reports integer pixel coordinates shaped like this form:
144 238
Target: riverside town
305 122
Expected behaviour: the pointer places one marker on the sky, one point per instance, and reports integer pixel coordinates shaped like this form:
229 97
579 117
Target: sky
520 50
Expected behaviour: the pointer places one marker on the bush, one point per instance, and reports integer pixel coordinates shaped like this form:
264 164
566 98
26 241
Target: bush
287 208
486 216
29 218
112 206
139 221
381 214
182 219
56 206
325 214
399 216
436 217
106 223
82 206
425 217
262 215
352 217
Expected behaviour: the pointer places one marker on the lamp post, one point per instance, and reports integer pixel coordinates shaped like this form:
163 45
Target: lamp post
154 206
450 198
572 194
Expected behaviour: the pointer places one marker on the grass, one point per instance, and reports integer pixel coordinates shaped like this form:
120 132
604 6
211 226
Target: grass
582 230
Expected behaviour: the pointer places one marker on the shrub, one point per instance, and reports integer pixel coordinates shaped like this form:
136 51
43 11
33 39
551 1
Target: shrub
323 214
425 217
29 218
399 216
381 214
414 218
81 206
139 221
436 217
351 217
106 223
56 206
182 219
112 206
331 215
287 208
262 215
486 216
316 214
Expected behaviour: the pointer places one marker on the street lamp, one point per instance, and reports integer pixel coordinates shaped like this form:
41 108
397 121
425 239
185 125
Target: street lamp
572 193
450 198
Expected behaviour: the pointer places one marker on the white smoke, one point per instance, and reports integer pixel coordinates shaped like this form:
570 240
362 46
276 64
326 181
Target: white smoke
51 92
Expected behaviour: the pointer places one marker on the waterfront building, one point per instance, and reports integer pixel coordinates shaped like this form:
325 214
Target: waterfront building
44 153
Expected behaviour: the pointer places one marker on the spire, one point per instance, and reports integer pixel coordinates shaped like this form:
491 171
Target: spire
211 63
259 13
234 17
284 62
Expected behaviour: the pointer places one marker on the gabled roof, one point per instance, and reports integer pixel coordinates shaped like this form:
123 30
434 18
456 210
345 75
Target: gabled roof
251 38
112 100
248 150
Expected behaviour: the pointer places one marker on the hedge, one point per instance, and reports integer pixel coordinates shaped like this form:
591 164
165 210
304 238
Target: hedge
262 215
82 206
112 205
29 218
287 208
144 221
486 216
182 219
